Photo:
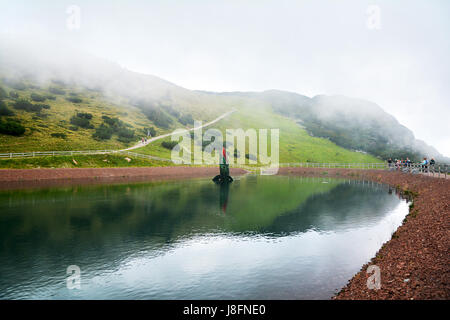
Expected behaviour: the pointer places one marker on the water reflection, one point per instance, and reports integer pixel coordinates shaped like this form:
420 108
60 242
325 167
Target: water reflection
224 191
259 237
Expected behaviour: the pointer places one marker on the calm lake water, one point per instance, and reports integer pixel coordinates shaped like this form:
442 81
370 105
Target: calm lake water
262 237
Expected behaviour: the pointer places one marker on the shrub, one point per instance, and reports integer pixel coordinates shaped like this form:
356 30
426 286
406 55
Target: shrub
169 144
13 94
23 104
73 128
42 106
11 127
84 115
55 90
59 135
37 97
103 132
3 93
82 120
50 97
113 122
125 133
150 130
4 110
74 99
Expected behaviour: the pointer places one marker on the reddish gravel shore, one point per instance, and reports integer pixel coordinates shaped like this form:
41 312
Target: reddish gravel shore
415 263
23 178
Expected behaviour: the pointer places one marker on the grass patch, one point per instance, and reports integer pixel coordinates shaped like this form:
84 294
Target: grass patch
81 161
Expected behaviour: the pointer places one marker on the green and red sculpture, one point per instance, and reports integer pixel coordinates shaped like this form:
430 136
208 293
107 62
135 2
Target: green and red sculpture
224 176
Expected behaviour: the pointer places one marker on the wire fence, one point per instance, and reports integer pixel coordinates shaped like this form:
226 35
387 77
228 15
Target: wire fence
74 153
435 170
379 165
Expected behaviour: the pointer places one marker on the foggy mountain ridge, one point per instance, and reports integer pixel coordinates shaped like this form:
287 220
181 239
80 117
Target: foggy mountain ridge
350 123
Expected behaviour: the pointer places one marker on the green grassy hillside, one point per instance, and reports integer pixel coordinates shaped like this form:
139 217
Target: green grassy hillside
296 145
60 116
46 113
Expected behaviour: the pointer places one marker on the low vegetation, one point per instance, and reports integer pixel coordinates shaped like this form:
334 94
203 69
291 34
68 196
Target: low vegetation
86 161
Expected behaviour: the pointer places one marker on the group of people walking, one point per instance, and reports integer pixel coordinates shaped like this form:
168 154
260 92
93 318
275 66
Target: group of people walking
407 163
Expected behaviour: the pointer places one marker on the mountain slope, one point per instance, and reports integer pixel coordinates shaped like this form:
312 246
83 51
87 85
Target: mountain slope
351 123
66 101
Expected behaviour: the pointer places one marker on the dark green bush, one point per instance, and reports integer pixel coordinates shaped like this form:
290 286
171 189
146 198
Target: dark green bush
11 127
150 130
82 121
42 106
103 132
125 133
56 90
50 97
113 122
13 94
74 99
84 115
59 135
169 144
37 97
23 104
4 110
3 94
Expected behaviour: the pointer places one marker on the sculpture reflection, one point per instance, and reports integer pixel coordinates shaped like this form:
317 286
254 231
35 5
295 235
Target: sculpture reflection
224 192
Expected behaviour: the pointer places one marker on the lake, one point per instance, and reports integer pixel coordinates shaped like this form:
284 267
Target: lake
261 237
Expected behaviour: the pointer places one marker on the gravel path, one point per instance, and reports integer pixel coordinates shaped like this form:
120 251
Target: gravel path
142 144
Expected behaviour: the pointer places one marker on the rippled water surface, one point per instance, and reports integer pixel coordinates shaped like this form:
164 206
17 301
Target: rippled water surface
262 237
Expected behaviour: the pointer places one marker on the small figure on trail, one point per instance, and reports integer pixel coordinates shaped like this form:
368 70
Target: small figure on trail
424 164
432 162
389 162
142 140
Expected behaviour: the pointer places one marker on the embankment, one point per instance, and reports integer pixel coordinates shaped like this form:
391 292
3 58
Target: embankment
24 178
415 263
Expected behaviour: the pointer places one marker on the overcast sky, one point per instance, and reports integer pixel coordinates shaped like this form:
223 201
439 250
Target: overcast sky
393 53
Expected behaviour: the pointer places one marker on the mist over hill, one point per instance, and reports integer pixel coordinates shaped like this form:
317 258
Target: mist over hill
350 123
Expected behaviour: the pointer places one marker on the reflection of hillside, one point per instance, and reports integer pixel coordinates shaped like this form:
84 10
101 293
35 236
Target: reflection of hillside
255 202
346 206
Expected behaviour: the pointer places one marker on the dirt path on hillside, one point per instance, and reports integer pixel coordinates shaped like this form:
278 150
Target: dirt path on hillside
143 144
